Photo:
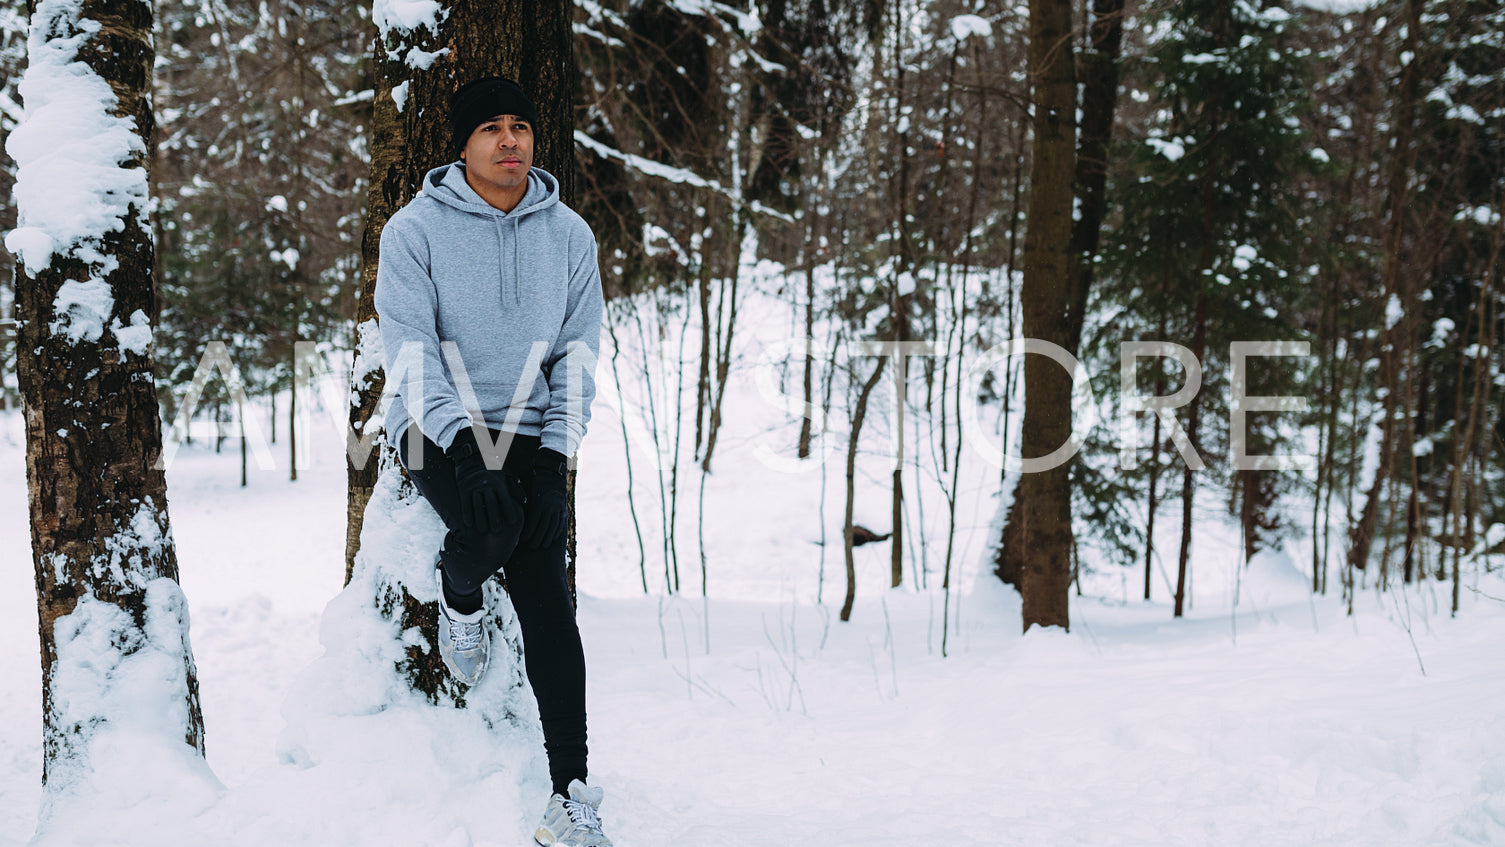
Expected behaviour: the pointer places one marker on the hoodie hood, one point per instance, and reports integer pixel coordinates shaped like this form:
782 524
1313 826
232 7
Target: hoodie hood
447 184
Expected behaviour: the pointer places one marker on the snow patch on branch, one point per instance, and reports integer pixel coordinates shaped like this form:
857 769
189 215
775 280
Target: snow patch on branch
683 176
1170 148
965 25
1337 7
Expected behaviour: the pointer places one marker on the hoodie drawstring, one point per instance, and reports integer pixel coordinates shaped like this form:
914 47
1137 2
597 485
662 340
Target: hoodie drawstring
501 258
501 245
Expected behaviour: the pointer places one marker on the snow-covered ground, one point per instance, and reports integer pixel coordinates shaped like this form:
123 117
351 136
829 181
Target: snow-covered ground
1278 722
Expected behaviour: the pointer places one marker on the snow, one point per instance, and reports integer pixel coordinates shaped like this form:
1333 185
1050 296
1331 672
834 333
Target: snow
1244 257
1338 7
1394 311
1265 716
288 257
82 309
124 564
369 358
406 15
1481 215
1170 148
684 176
400 95
423 59
135 677
70 189
965 25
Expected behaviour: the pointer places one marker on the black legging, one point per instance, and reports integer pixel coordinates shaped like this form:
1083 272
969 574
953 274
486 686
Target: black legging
540 593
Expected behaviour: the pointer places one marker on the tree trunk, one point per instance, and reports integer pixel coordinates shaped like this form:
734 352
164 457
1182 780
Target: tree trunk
896 530
809 385
703 379
1099 101
1045 497
108 601
1398 284
292 439
526 40
846 533
1153 505
240 412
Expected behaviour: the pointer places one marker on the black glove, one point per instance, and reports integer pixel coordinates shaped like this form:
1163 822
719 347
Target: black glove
548 505
483 495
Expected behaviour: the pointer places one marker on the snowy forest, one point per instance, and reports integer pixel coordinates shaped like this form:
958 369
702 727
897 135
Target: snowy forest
1040 423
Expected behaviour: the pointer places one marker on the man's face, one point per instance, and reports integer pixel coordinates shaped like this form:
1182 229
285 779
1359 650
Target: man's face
499 153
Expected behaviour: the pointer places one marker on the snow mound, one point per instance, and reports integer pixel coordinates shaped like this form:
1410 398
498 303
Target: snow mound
366 751
1272 578
121 695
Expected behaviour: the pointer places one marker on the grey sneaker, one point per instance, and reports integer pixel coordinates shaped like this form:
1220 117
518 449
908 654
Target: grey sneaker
572 821
462 640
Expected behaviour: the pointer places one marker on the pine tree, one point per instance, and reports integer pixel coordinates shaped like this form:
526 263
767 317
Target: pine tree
1204 250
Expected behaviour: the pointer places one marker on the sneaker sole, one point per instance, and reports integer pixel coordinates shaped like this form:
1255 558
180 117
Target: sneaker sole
543 837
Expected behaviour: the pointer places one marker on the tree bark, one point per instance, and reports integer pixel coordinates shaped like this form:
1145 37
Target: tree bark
529 41
106 567
1099 101
846 533
1045 497
1400 285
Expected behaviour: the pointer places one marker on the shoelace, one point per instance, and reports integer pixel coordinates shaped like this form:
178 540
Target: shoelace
466 636
583 815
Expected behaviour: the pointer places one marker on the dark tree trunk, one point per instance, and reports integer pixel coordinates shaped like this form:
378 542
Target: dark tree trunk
100 533
292 440
1153 505
809 385
1009 562
846 533
703 379
1099 99
1398 283
1045 497
529 41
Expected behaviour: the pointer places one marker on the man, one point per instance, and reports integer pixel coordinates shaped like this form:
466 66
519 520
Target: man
494 282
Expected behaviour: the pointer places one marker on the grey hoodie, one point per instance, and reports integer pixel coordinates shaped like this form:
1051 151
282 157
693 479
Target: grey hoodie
519 295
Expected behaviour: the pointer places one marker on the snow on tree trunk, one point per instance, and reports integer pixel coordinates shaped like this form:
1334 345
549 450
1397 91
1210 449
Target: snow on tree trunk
369 701
380 633
425 50
121 719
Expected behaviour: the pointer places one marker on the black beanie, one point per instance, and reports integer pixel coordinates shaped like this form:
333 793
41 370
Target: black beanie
483 99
